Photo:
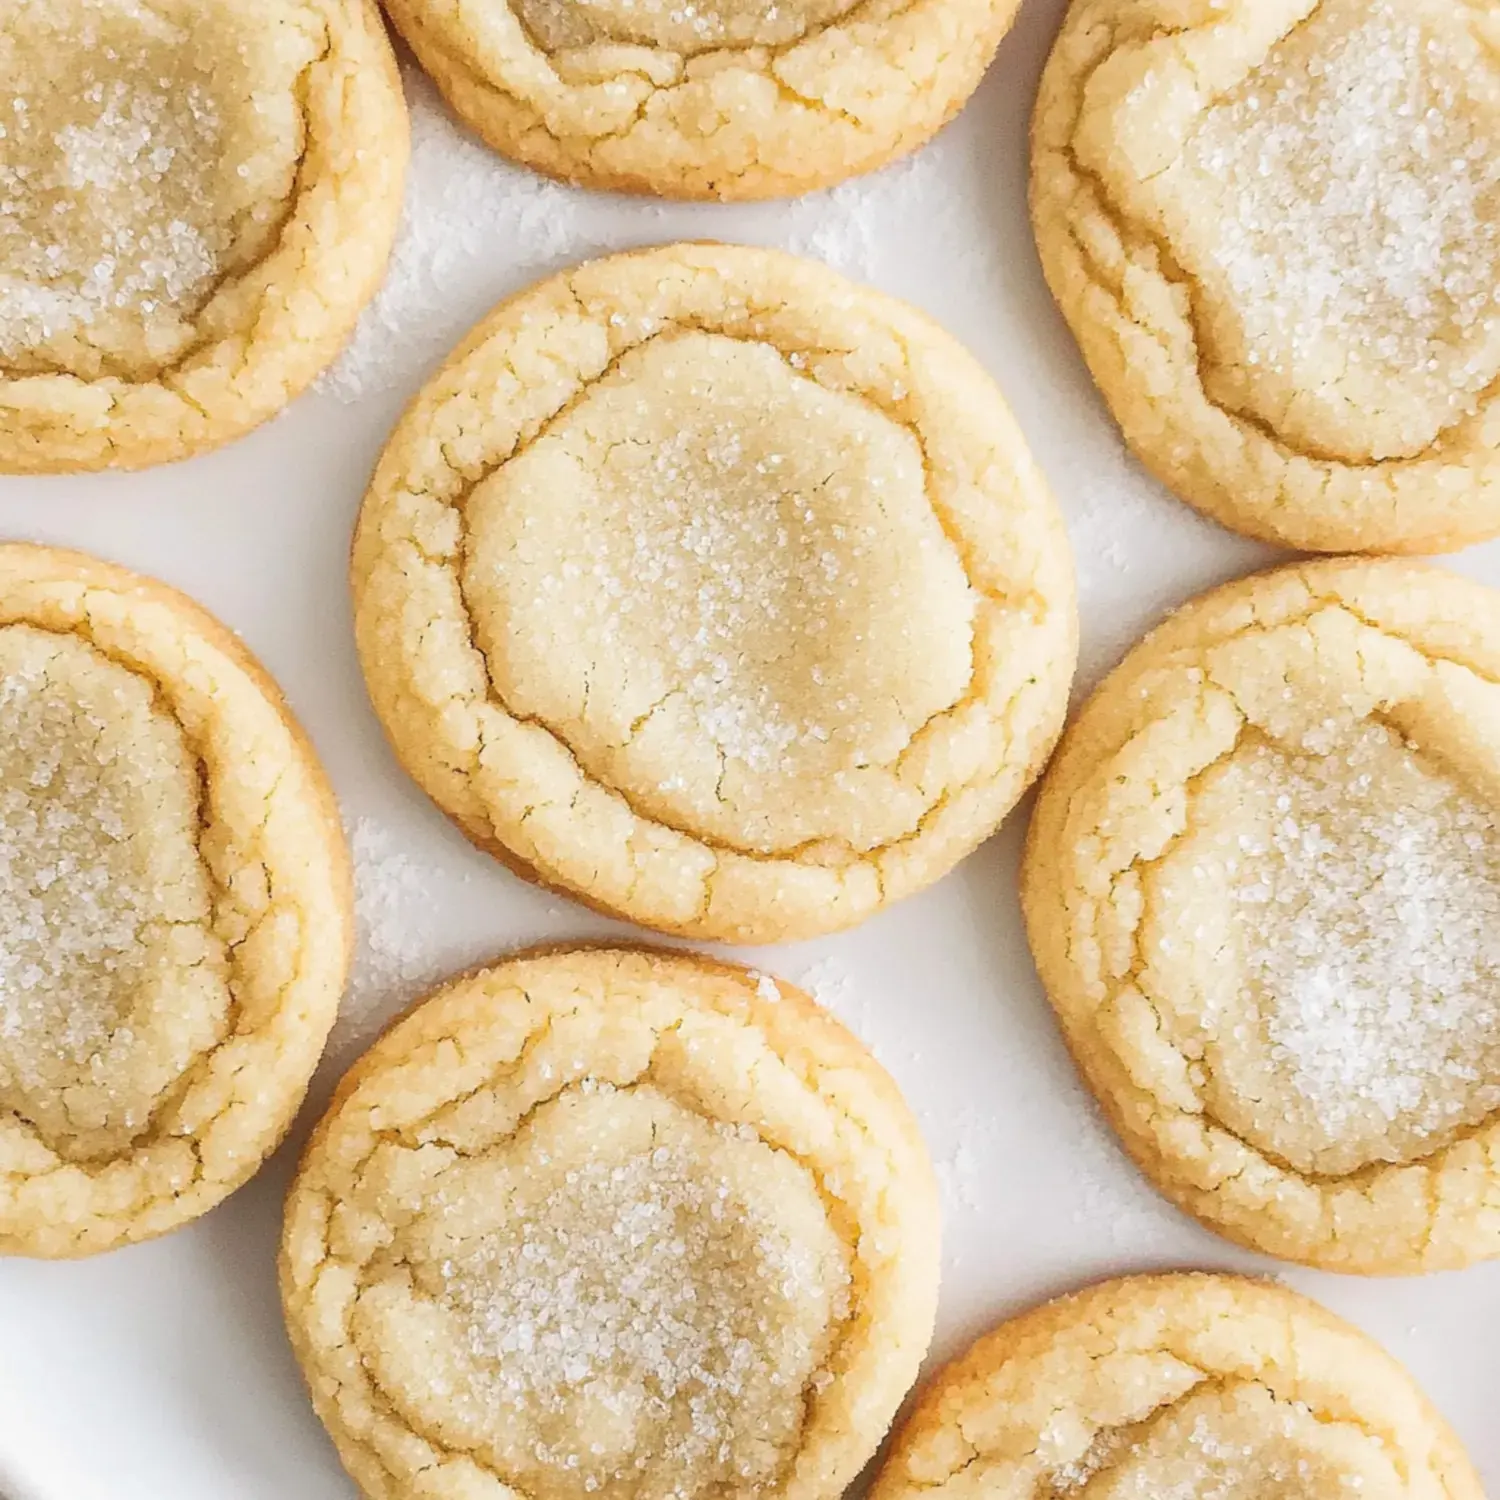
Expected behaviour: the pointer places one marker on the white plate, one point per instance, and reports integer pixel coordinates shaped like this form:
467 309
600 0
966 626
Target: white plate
161 1372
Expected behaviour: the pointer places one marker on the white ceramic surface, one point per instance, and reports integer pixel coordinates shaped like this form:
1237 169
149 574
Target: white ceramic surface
161 1372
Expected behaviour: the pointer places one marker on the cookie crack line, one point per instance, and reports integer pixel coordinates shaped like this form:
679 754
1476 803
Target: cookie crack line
853 855
770 50
1209 1381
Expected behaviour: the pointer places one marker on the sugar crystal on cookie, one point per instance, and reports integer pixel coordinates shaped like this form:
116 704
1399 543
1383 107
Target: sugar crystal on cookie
144 155
1369 897
1360 214
651 1317
108 978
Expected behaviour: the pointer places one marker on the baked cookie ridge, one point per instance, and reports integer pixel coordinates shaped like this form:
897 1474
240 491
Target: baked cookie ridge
721 100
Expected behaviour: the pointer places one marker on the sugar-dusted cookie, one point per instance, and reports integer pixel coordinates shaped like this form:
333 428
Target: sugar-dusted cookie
613 1223
720 99
1176 1386
1275 228
1263 889
175 908
196 199
717 591
716 99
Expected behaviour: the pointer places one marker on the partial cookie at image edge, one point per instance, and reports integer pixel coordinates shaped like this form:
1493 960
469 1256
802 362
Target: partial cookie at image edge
1027 1410
215 1139
837 104
561 985
272 329
1133 312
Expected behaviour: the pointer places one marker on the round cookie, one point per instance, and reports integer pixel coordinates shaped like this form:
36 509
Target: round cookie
717 591
1262 885
616 1223
1274 226
197 197
722 99
175 908
1173 1386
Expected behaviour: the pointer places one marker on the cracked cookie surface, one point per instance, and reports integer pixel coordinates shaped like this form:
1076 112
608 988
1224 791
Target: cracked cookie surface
196 200
717 591
1262 885
722 99
1274 226
612 1222
1176 1386
175 908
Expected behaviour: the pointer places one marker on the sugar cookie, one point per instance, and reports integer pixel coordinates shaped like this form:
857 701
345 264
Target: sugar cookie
715 100
1159 1387
197 197
175 908
717 591
1275 228
616 1223
1263 889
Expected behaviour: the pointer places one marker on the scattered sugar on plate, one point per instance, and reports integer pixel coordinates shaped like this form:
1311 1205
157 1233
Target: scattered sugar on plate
466 208
396 905
766 988
966 1172
848 227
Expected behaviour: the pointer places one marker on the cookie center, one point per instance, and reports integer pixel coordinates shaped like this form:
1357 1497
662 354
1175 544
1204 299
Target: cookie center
626 1298
725 586
1364 900
110 983
1341 212
680 26
1236 1442
147 154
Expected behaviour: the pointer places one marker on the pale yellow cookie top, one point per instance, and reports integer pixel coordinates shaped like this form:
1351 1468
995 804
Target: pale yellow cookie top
1263 889
612 1222
717 591
719 99
1275 227
196 198
1176 1388
175 904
